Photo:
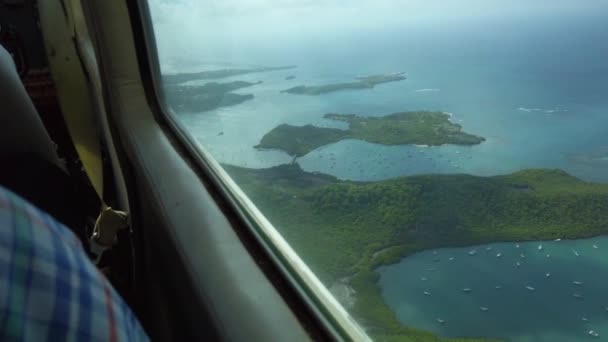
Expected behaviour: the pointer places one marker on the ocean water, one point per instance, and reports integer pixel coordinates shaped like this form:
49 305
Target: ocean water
549 313
538 94
535 87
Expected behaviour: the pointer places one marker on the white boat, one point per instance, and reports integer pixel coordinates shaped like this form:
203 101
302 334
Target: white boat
466 289
451 258
498 287
423 279
483 308
489 248
498 255
547 275
517 264
576 282
577 295
516 245
593 333
530 288
584 319
595 246
575 253
427 293
540 247
440 321
472 252
522 255
548 255
557 240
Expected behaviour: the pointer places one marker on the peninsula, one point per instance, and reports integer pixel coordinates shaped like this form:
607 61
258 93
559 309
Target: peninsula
206 97
420 127
364 82
221 73
343 229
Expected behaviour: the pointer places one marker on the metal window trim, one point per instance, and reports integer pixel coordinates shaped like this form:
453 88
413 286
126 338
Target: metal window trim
306 283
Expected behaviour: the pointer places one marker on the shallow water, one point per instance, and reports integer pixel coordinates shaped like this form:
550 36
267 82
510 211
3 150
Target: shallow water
550 312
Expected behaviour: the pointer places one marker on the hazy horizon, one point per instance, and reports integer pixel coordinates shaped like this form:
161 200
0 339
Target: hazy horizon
225 31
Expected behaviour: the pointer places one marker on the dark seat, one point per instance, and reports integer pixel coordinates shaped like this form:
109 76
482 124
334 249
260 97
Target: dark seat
21 130
29 165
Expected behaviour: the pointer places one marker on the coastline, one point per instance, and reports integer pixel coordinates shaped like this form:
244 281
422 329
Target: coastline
420 128
344 231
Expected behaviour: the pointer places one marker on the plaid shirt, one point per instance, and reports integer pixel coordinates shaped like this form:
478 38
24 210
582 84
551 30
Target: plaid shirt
49 290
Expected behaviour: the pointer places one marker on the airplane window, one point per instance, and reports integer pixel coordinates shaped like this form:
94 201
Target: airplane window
442 166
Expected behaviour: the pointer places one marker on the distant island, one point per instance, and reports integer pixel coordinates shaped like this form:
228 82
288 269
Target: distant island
364 82
206 97
420 127
344 230
221 73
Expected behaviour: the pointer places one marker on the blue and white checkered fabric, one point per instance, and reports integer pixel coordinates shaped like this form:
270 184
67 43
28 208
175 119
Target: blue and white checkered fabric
49 290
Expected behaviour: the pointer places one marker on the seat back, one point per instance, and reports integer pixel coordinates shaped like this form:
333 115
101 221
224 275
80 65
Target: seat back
21 129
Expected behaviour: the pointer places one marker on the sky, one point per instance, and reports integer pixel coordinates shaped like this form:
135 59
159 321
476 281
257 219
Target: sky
454 7
194 27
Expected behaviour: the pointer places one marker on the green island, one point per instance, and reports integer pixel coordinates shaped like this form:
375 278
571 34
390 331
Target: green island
206 97
364 82
221 73
345 229
420 127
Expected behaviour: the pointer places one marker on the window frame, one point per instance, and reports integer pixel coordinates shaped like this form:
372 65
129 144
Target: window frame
299 286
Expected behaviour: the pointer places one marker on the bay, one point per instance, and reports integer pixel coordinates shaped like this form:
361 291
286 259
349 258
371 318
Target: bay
567 301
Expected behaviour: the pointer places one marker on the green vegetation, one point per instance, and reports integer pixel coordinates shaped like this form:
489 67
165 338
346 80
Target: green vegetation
206 97
328 88
221 73
299 140
365 82
423 128
345 229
